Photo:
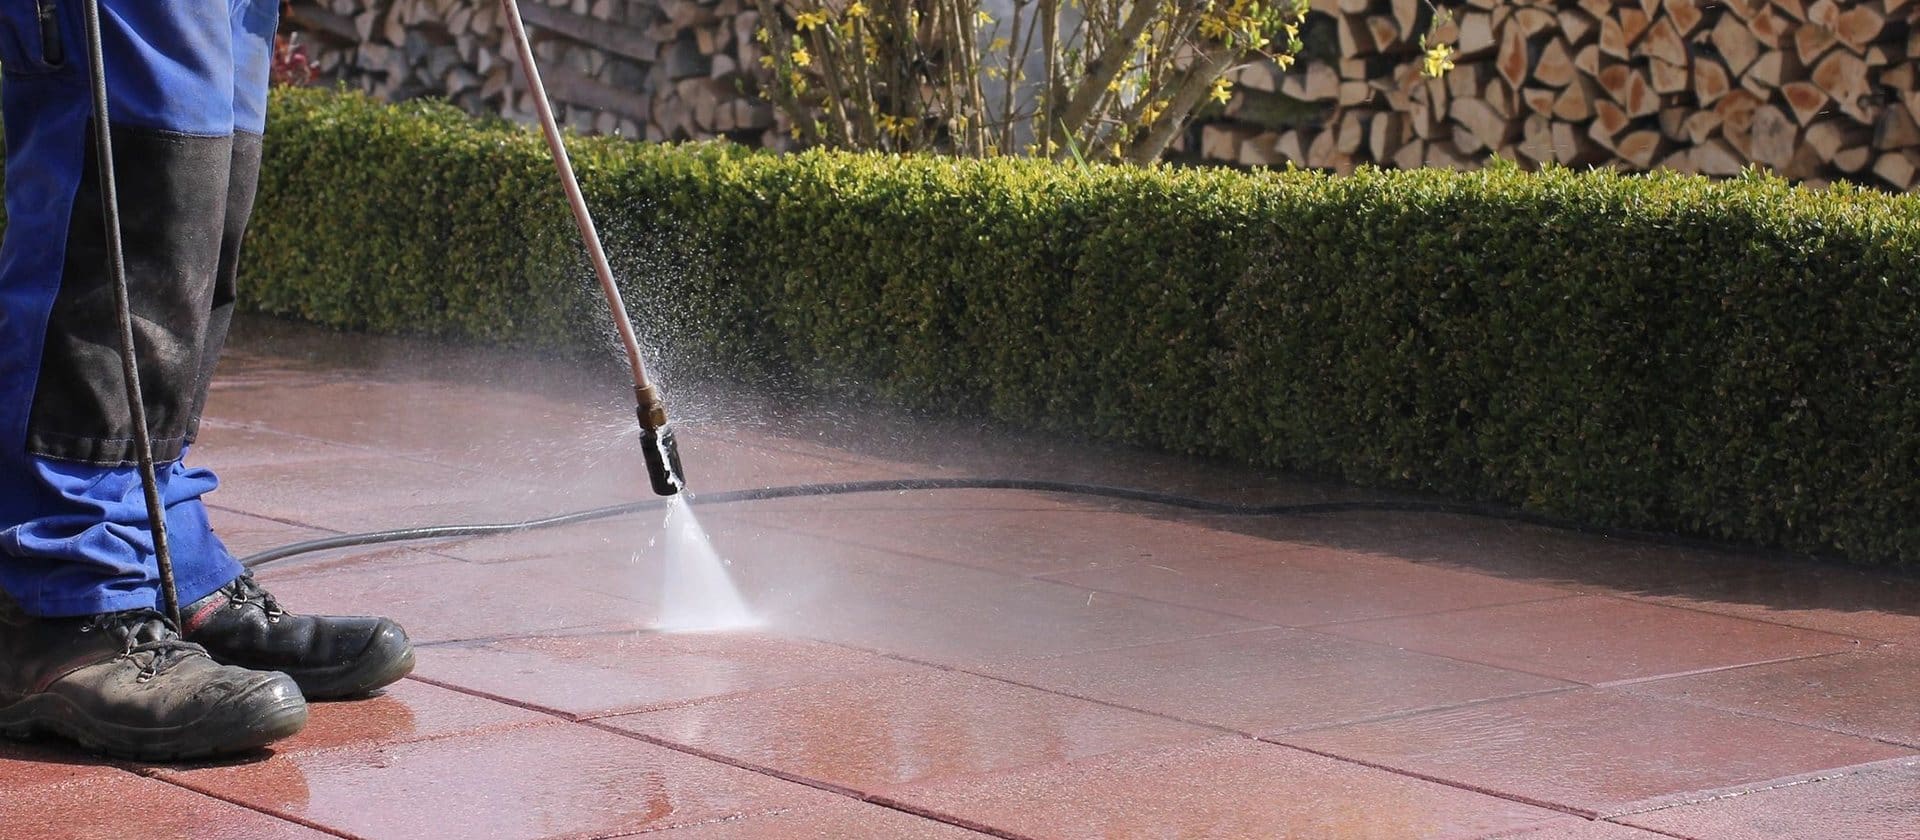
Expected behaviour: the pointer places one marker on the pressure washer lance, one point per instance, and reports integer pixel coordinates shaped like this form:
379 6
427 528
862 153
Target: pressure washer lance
656 437
123 310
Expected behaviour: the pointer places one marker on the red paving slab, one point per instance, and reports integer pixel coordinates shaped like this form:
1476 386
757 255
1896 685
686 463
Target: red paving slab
1442 646
26 766
1051 536
529 440
1573 560
1594 751
611 673
1302 586
1402 535
376 492
410 415
1878 804
1595 639
1852 602
1592 830
558 780
1272 680
1227 787
940 612
361 560
872 735
223 446
451 600
245 534
1874 693
934 446
404 712
126 806
840 821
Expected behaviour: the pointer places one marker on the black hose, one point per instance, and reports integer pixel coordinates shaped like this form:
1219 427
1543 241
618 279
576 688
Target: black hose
123 309
904 484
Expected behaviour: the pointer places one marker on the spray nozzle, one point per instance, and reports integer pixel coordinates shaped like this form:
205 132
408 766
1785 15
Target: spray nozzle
656 444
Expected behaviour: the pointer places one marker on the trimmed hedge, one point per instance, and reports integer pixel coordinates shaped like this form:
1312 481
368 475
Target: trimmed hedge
1731 359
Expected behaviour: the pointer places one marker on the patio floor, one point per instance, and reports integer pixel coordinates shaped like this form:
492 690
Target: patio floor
942 665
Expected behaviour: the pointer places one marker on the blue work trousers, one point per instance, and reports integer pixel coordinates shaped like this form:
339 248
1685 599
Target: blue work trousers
187 89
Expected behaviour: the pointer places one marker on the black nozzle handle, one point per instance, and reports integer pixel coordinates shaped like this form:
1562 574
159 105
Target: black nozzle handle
663 460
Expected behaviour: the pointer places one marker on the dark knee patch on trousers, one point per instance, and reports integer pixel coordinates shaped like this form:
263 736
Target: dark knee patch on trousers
242 183
173 192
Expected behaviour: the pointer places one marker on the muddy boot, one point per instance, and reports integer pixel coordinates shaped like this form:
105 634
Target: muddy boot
329 656
127 685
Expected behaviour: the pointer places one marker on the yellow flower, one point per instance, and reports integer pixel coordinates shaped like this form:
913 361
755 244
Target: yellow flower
802 57
1283 60
1437 61
1151 114
900 127
761 34
1222 90
981 17
857 10
766 61
808 20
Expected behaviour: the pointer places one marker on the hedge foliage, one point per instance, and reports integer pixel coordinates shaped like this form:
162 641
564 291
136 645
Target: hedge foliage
1734 359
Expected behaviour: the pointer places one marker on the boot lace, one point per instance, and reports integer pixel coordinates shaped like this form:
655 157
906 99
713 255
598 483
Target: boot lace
151 640
243 591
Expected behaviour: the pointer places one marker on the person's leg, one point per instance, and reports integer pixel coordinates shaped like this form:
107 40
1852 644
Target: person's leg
82 652
73 536
253 23
237 621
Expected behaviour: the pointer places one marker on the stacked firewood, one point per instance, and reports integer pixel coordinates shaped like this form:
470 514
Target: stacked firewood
665 70
1816 90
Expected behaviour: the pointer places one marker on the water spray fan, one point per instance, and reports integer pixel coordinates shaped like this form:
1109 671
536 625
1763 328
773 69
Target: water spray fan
656 437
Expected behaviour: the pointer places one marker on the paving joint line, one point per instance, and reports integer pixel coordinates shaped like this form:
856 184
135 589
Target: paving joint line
163 776
794 778
1347 622
1721 669
270 518
1912 746
1782 783
1569 686
1647 603
816 784
1414 774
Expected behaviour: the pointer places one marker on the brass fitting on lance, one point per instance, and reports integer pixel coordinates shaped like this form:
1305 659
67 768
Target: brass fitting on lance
651 409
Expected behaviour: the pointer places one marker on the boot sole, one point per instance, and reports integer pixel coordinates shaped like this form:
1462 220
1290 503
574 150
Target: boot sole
235 727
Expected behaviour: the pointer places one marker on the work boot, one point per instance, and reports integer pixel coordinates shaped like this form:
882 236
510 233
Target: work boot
329 656
126 684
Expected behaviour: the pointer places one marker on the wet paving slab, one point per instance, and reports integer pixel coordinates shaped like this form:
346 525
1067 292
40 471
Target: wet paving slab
128 805
1596 752
983 663
1873 802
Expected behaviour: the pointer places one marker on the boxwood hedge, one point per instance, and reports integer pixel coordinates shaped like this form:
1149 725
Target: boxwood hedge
1733 359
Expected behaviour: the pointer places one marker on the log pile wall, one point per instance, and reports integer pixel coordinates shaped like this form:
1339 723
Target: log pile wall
1817 91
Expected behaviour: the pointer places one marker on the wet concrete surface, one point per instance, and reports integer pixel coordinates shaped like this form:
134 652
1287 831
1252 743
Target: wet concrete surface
984 663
